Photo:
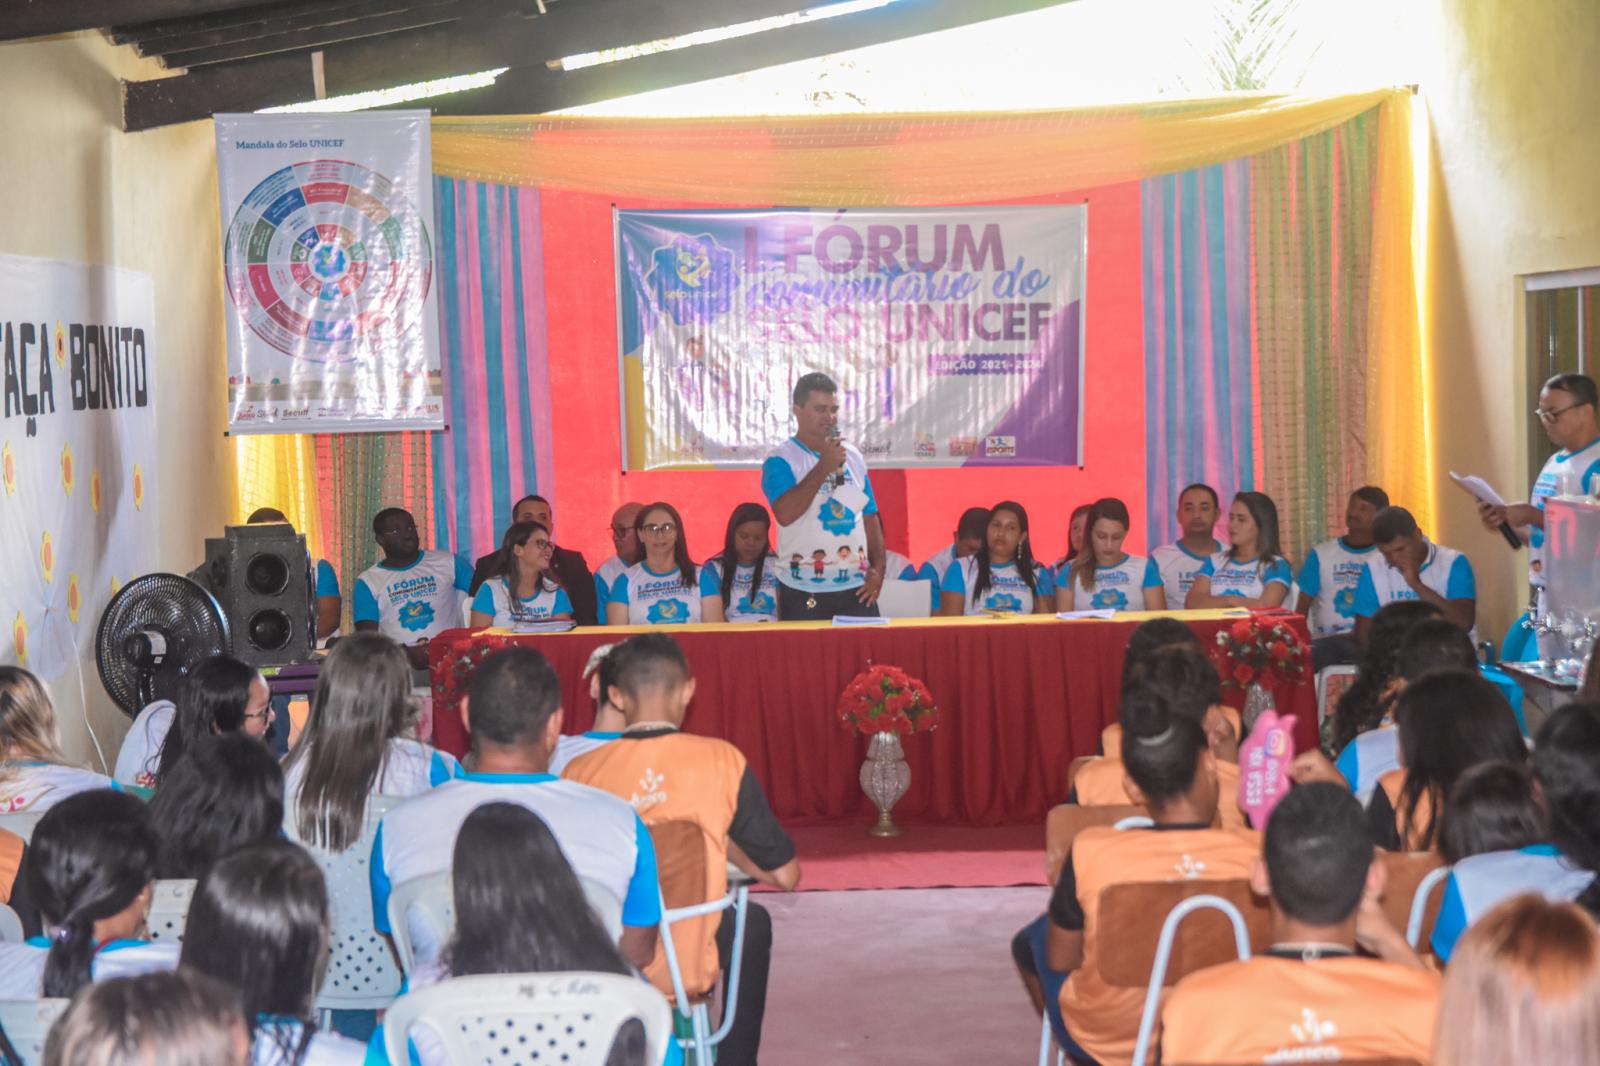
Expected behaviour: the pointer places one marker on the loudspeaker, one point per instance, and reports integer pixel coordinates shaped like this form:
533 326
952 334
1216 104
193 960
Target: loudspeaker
261 575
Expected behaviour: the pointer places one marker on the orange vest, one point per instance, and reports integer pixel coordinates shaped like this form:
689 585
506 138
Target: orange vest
1098 783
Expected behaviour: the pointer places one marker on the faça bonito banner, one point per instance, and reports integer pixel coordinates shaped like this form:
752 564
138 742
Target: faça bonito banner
955 334
332 315
78 514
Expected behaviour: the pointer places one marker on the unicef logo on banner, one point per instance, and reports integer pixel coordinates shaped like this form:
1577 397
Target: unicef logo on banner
693 279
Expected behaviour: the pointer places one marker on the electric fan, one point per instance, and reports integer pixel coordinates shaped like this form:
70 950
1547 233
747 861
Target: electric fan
153 632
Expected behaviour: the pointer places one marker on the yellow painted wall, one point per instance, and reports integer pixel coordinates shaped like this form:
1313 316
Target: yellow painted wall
1512 91
74 187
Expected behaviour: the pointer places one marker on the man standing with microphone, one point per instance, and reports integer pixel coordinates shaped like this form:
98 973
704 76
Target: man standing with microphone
830 540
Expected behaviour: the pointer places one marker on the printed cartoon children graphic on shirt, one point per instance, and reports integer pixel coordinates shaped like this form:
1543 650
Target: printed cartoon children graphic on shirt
794 565
843 573
819 564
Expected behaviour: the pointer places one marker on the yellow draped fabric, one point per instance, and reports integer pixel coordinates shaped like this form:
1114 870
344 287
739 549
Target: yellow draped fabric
280 471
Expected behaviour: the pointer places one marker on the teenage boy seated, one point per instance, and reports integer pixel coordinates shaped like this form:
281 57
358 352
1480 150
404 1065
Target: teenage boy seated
512 711
1173 775
672 776
1311 998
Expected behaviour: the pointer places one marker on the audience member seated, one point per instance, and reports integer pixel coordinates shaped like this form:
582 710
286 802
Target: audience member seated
1328 579
1172 773
972 528
12 850
1253 571
519 909
568 568
1414 568
180 1018
259 923
34 774
1003 576
329 602
221 695
1368 702
601 674
1566 765
625 537
1147 638
524 589
663 588
1524 988
512 711
1310 997
1180 562
1104 575
706 782
747 591
412 594
1077 533
90 866
225 793
357 744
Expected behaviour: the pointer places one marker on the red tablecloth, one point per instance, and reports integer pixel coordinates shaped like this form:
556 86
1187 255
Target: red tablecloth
1020 699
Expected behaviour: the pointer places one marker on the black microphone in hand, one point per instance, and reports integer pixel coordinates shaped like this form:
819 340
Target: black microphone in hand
836 478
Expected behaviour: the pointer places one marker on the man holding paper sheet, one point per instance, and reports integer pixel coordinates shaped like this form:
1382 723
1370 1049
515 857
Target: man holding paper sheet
1568 409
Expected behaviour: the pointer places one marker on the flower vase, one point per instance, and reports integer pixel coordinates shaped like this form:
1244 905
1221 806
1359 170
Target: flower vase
1257 701
885 778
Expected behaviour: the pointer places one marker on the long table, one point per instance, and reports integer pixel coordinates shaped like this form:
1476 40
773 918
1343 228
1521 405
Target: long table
1020 698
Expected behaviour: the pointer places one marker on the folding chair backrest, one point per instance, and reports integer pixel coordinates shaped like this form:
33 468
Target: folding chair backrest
169 910
1130 918
1331 683
27 1022
422 915
1066 821
567 1018
1406 871
21 823
687 880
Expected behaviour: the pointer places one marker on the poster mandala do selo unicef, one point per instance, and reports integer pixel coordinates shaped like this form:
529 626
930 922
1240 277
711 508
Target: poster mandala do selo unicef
332 312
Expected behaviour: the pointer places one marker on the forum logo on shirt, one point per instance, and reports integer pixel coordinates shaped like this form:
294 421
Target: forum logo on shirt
416 615
1112 598
665 612
836 518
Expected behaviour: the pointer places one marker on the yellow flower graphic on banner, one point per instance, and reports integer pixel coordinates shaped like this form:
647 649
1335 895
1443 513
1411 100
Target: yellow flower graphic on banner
94 491
8 469
19 637
68 474
138 487
47 556
74 599
61 345
116 586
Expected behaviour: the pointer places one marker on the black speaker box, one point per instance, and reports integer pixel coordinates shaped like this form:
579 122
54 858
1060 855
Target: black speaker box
261 575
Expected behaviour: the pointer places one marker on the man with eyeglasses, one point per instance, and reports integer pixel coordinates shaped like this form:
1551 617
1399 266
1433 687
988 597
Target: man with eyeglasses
830 539
570 568
629 551
1568 410
413 593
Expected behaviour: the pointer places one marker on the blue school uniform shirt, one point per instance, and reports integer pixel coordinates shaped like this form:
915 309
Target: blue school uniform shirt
1007 590
1329 576
657 599
1580 469
933 570
1179 567
1479 882
1119 587
1368 757
413 603
742 606
494 598
1246 580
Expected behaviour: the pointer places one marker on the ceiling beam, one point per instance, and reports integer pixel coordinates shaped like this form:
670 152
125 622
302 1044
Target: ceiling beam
352 28
21 19
159 38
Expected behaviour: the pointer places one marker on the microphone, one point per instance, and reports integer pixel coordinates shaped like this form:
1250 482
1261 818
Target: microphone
836 478
1511 536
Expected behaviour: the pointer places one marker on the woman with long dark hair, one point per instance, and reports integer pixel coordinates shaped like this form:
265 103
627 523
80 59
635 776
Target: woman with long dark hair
222 695
524 589
1077 536
34 774
664 587
1106 576
259 923
1253 571
1002 576
1566 765
356 744
745 590
1368 703
90 865
226 792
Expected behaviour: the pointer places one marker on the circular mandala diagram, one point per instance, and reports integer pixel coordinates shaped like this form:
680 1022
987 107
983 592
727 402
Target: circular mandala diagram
327 261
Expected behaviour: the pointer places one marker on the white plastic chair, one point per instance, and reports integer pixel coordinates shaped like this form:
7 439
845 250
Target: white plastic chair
699 1012
169 910
1419 905
570 1018
362 973
905 599
10 926
21 823
27 1023
1158 972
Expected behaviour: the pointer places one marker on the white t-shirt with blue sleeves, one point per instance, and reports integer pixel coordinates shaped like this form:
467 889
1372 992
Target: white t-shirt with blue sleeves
1367 758
279 1037
656 599
416 602
327 579
1479 882
1179 567
933 570
494 598
1119 587
741 605
1575 471
409 768
825 549
22 965
1247 580
32 786
1007 590
1445 571
1329 576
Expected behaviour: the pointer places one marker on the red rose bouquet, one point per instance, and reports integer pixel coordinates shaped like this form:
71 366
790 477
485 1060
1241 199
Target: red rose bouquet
1253 651
886 699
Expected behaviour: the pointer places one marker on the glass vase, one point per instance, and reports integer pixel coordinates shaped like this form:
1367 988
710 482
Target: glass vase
885 778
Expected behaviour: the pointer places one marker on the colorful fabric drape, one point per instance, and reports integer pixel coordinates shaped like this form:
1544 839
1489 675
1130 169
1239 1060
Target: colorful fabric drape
279 472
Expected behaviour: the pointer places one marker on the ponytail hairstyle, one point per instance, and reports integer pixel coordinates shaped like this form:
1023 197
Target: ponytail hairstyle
745 512
27 721
1108 509
362 701
1160 747
1566 764
1269 549
506 566
1024 556
91 857
213 701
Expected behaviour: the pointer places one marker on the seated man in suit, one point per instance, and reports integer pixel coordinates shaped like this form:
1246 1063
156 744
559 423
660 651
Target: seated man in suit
569 567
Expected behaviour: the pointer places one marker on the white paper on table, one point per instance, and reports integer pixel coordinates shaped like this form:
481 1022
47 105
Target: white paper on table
560 625
1101 613
859 620
1479 488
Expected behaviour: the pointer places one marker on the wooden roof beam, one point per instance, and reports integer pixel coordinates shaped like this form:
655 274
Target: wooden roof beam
21 19
352 28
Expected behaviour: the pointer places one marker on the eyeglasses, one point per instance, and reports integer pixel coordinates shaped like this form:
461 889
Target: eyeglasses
1548 417
265 714
621 531
656 528
543 545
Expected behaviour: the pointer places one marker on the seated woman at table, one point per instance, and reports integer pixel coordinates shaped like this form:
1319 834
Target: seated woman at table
1001 576
663 588
1253 571
525 588
746 591
1103 575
